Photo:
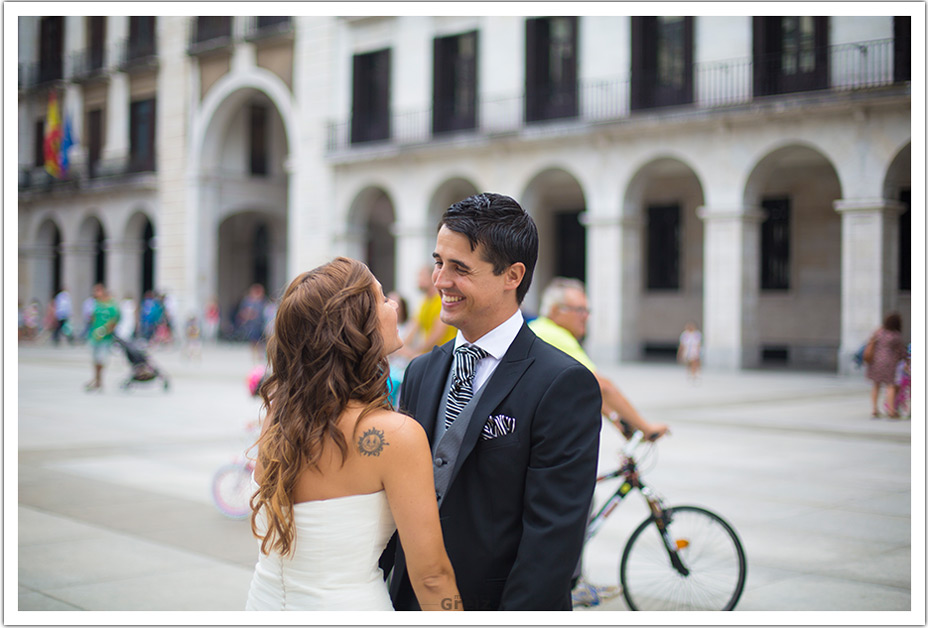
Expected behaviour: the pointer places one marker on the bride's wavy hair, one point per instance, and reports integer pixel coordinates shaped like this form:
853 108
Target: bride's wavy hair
326 350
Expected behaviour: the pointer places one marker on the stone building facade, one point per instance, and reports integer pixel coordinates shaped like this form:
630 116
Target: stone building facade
751 174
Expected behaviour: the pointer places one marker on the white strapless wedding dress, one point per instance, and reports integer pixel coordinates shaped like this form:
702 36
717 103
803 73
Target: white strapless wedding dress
337 546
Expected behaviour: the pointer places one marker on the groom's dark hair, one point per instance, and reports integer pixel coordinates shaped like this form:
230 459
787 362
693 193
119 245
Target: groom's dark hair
506 231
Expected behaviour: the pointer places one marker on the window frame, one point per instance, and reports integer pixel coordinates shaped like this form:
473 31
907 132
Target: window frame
450 72
647 91
370 99
546 99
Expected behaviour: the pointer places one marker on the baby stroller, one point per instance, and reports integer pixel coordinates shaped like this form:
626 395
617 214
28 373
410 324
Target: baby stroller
142 369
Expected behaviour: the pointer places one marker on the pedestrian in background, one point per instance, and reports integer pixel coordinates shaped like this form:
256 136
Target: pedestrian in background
690 349
211 321
63 311
103 321
888 350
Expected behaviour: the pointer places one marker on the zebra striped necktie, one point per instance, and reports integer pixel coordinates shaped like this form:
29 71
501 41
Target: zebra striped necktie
462 382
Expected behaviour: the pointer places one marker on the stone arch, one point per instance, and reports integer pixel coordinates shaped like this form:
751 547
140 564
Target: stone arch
46 263
897 186
798 317
663 251
450 191
370 234
233 182
137 250
557 202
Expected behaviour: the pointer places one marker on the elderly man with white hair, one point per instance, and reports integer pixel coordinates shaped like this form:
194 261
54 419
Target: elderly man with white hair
562 324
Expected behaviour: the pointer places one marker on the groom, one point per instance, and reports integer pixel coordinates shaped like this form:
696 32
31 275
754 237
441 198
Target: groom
513 423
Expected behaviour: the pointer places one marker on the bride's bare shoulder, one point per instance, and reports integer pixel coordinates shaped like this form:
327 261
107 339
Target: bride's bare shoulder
385 431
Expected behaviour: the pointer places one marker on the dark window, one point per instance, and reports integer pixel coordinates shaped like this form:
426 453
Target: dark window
774 245
663 247
142 136
455 83
550 68
662 61
148 258
213 27
265 21
790 54
51 46
99 266
141 36
902 48
370 113
570 245
258 136
38 144
94 140
905 241
96 37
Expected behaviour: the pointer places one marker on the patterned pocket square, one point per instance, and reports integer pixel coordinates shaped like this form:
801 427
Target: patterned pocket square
497 426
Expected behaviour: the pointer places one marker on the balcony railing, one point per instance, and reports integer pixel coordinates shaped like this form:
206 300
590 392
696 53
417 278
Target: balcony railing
717 84
117 171
209 33
268 27
137 53
87 64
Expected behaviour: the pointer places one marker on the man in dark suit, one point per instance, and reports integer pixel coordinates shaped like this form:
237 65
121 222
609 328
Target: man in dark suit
513 423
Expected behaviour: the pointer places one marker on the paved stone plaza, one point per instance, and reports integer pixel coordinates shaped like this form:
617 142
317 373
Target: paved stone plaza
114 507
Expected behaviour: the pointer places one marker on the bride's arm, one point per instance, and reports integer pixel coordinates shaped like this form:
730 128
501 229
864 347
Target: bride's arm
407 479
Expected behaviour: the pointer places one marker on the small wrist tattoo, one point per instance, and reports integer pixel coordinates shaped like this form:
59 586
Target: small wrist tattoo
372 442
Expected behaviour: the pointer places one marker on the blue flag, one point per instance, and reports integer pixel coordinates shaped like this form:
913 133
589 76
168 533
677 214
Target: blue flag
66 143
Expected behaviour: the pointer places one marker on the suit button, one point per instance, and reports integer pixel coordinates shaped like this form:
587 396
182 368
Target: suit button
439 462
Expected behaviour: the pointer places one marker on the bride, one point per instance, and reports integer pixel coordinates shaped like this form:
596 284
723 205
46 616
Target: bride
337 470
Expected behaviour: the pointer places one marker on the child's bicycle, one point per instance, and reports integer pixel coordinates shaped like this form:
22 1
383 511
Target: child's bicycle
231 486
681 558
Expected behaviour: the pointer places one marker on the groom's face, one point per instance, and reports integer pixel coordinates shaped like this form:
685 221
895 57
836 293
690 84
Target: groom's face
473 299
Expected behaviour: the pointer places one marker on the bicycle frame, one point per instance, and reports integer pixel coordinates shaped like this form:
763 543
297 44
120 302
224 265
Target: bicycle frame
629 471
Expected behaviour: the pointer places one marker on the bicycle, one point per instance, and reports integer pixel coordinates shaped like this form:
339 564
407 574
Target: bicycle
231 485
683 558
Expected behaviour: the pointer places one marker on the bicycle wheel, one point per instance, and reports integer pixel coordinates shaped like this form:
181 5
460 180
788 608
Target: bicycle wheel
712 569
232 490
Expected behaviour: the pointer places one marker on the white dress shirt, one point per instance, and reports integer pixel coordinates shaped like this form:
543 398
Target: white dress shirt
496 343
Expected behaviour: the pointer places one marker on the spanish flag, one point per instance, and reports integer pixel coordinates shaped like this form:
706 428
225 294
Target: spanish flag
57 141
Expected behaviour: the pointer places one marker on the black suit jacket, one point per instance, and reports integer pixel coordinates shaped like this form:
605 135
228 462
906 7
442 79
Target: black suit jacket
515 513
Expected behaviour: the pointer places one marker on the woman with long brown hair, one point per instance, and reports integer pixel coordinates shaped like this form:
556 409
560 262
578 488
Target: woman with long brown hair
337 469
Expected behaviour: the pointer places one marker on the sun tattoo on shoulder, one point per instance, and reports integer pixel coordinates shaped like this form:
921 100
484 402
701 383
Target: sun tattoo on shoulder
372 442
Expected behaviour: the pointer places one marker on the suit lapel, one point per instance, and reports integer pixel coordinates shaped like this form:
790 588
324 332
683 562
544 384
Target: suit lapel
433 387
504 378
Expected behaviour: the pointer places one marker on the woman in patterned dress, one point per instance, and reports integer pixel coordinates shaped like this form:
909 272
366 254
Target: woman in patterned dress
888 349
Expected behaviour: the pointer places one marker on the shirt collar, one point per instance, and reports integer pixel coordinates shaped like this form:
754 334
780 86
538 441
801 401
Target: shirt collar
496 341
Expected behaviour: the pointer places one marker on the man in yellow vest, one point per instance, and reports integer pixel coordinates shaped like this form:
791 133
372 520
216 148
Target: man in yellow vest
562 324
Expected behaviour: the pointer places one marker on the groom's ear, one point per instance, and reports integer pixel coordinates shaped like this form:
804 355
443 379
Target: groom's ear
513 276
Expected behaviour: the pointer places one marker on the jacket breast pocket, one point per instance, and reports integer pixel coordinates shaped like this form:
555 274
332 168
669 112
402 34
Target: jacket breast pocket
500 442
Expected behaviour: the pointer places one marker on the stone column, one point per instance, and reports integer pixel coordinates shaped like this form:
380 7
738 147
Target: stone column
115 152
36 274
604 287
731 287
869 270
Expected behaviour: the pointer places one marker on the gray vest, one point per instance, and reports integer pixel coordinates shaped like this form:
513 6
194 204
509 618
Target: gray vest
446 444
